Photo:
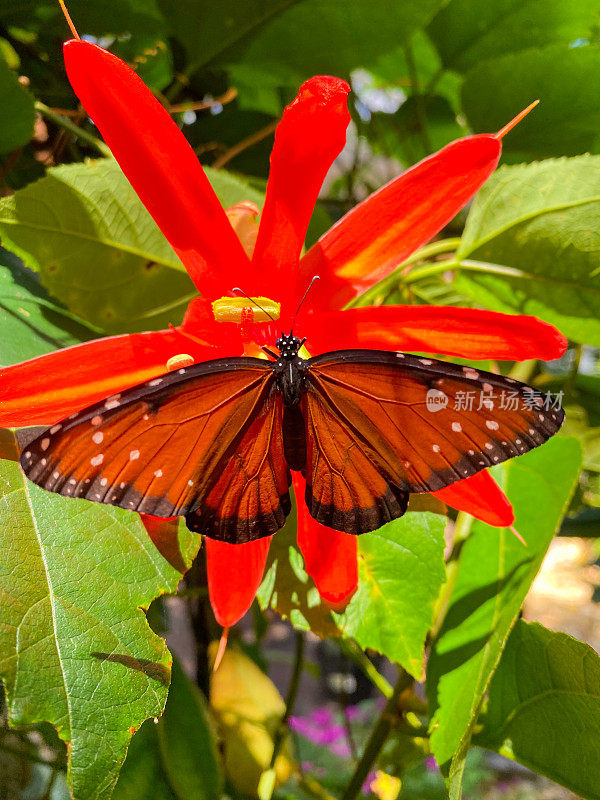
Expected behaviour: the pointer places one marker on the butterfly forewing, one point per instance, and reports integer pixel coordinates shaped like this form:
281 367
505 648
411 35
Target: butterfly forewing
400 424
161 447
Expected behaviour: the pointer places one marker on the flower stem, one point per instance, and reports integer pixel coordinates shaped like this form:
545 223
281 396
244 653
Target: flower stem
357 655
383 727
67 125
462 530
397 277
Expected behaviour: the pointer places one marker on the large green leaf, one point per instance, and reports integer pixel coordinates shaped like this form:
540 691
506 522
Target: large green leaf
468 32
544 706
297 39
401 573
16 127
75 648
401 570
564 79
493 576
98 250
177 756
30 323
542 221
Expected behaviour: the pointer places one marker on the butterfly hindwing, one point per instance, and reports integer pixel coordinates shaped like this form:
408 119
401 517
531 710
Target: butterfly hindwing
380 425
162 447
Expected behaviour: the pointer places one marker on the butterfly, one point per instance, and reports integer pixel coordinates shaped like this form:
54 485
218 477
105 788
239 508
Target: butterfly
215 442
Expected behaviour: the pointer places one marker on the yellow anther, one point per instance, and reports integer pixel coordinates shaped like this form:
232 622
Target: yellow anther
179 361
245 309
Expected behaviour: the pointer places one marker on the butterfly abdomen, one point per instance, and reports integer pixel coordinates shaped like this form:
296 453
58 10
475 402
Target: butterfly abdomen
294 437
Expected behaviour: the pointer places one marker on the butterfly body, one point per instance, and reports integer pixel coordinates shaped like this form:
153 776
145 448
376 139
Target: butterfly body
215 442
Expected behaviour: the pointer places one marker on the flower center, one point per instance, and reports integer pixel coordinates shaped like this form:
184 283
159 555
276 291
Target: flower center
246 310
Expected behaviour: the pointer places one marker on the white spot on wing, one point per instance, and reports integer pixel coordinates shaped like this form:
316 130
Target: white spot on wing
426 361
436 448
491 424
470 373
134 454
113 402
97 460
155 382
103 481
55 428
97 437
456 427
45 443
158 473
97 420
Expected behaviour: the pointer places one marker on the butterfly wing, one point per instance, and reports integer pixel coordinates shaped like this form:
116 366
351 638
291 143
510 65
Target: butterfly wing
170 446
380 425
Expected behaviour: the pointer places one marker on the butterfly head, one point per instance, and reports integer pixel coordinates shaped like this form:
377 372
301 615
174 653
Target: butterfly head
289 345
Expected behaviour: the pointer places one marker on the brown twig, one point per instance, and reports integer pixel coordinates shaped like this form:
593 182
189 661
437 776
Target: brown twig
238 148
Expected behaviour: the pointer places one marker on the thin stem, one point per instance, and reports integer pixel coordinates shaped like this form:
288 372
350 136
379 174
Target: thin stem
67 125
356 654
462 531
266 784
574 371
383 727
245 144
466 264
201 105
398 274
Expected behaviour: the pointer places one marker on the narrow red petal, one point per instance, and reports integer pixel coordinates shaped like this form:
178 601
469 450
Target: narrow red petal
310 135
392 223
46 389
463 332
160 165
330 557
234 574
480 496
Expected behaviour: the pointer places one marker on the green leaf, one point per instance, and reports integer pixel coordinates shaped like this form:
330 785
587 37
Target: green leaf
401 573
401 570
97 249
30 323
297 39
177 756
75 648
493 575
467 32
16 102
544 707
541 220
563 78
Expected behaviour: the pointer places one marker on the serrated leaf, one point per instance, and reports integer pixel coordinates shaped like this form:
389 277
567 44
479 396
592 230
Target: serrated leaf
16 128
30 323
542 220
75 648
493 575
97 249
563 78
544 706
401 573
401 570
177 756
467 32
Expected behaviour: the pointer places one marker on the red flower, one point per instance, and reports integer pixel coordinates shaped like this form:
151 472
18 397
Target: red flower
360 249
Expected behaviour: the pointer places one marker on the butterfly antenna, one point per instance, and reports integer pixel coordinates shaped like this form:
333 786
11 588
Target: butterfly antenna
300 304
221 649
252 300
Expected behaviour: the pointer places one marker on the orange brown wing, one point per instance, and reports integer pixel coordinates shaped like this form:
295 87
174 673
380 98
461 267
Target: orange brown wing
167 446
380 425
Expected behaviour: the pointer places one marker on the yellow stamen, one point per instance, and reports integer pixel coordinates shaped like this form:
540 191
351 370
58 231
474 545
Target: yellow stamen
243 309
179 361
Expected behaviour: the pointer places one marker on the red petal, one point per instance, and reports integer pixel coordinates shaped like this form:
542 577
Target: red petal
234 574
160 165
330 557
392 223
480 496
49 388
464 332
310 135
